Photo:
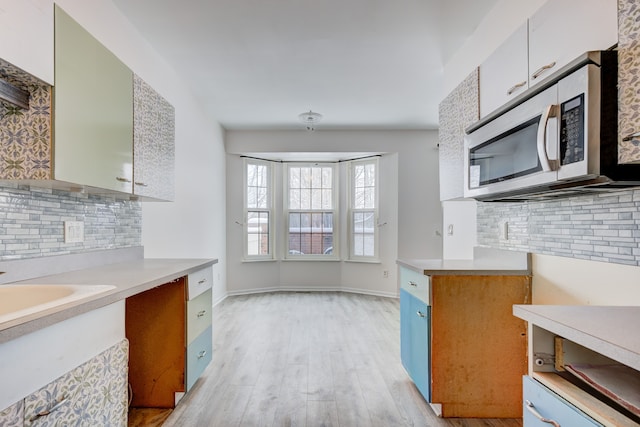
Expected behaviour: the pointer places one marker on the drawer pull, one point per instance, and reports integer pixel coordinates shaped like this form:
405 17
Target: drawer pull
121 179
54 408
413 283
202 281
141 184
202 354
531 408
631 137
542 69
201 313
420 314
516 86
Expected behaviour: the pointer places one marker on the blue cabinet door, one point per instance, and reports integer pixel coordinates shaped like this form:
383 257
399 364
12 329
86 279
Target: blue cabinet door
539 402
414 341
405 330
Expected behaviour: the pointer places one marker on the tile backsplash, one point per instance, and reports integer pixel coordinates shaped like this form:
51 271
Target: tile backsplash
33 222
602 227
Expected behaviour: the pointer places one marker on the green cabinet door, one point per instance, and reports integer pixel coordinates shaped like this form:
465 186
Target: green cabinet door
93 111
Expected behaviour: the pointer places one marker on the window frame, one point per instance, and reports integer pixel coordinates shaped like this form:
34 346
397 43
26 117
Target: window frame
335 211
351 210
269 256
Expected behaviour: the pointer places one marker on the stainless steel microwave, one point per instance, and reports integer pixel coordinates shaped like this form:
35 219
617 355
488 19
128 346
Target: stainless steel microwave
559 139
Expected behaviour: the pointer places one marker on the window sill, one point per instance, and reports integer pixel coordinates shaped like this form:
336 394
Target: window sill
364 261
258 260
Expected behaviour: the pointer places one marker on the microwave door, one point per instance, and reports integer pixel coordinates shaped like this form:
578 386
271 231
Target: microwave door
517 150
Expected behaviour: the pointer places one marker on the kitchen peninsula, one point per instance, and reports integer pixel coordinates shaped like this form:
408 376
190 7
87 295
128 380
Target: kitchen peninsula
460 343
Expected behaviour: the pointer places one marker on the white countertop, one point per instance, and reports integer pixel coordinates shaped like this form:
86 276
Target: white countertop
486 262
608 330
129 278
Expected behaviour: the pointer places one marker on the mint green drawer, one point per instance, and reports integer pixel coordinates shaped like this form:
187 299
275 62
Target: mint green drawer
415 283
198 315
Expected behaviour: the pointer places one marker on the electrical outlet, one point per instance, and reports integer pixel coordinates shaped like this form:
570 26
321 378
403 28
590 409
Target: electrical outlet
504 230
73 231
385 274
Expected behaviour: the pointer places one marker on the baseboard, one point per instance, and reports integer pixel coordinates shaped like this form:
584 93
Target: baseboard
306 289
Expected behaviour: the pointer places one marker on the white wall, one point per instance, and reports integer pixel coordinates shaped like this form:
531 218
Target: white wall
193 225
570 281
409 206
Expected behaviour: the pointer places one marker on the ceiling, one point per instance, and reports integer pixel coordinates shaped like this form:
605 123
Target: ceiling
362 64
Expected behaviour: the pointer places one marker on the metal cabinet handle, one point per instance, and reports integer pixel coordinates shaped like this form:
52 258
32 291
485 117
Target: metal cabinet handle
542 69
413 283
201 313
531 408
202 281
204 353
631 137
420 314
46 412
141 184
121 179
516 86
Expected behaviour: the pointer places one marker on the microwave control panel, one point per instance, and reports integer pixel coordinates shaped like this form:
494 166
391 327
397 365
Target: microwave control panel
572 143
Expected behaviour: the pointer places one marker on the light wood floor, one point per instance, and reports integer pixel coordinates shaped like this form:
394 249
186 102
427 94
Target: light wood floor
308 359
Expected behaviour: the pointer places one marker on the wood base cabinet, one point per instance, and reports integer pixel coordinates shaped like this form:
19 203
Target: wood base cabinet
170 334
460 343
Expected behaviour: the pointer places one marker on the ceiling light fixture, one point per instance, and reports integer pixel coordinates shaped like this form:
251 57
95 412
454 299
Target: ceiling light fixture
310 120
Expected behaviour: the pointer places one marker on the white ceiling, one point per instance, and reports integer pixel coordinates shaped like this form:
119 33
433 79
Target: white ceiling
362 64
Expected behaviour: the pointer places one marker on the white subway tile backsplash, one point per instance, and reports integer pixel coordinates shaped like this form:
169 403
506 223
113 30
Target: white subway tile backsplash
603 227
33 222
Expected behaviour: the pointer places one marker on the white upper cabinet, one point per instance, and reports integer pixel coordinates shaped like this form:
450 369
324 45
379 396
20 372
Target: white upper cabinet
504 75
26 31
561 30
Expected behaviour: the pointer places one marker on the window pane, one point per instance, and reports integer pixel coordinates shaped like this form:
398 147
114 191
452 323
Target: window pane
294 199
257 233
305 198
294 178
305 177
326 177
358 222
316 177
327 201
357 245
251 197
316 199
368 245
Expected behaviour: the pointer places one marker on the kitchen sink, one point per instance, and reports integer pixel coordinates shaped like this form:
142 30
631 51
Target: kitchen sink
18 300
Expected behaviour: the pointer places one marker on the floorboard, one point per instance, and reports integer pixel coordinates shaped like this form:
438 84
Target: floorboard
289 359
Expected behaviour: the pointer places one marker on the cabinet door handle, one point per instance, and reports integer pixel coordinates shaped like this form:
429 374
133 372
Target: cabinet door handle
121 179
542 70
46 412
413 283
631 137
516 86
531 408
141 184
420 314
203 353
202 281
201 313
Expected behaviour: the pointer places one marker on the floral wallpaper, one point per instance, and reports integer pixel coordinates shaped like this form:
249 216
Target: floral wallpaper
628 80
93 394
25 135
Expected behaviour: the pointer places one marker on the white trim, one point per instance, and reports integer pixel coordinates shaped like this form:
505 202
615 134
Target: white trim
269 210
394 295
219 300
351 211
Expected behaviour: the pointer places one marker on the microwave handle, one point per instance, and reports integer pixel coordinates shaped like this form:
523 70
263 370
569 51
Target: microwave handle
547 165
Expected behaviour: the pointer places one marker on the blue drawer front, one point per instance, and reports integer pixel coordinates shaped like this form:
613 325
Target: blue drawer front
551 406
198 356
